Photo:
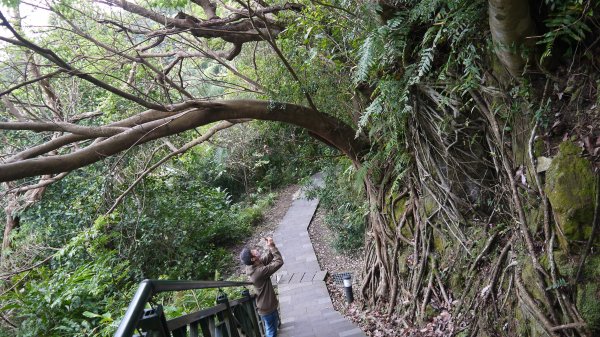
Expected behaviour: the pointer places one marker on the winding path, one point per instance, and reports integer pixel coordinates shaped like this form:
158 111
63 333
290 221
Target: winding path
305 305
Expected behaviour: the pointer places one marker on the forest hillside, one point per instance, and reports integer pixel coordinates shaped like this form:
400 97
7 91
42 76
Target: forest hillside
459 140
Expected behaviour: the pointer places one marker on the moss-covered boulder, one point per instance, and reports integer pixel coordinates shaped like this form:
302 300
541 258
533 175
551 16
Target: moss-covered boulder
403 264
527 325
570 187
589 306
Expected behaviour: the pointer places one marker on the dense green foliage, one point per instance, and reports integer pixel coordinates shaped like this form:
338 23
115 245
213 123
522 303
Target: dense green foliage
80 292
345 205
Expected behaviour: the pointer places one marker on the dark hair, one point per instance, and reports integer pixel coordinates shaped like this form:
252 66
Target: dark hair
246 256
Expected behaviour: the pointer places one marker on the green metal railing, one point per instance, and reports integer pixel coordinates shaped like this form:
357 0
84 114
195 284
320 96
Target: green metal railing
226 319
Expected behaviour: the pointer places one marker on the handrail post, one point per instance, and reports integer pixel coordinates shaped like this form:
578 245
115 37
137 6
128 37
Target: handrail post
229 319
135 309
254 313
251 310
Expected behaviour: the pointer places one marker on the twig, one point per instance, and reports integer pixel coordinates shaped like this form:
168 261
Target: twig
335 7
37 79
270 41
4 318
6 276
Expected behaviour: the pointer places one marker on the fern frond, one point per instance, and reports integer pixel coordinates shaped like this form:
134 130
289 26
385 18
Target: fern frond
367 59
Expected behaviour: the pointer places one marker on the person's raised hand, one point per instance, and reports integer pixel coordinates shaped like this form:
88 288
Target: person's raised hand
269 242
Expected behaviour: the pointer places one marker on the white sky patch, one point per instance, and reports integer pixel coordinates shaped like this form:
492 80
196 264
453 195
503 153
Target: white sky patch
33 17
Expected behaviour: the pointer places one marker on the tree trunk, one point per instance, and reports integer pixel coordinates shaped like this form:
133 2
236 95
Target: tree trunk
511 24
12 220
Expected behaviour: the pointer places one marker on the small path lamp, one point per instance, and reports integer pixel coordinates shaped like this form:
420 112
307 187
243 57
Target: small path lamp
348 288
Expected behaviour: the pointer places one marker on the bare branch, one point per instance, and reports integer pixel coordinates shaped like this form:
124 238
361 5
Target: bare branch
81 33
44 182
52 57
123 27
22 270
37 79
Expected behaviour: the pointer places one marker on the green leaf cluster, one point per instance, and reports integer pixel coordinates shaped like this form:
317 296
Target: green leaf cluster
568 21
344 201
78 293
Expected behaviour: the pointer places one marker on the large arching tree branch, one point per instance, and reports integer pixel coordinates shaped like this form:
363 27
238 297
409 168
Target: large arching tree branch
88 131
325 127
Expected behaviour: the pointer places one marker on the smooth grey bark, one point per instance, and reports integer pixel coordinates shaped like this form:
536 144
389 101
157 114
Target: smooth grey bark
324 127
511 24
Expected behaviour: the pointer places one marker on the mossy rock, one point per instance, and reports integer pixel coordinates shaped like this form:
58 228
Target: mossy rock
406 232
402 258
538 147
428 206
565 264
570 187
400 207
527 325
439 241
588 304
534 218
529 279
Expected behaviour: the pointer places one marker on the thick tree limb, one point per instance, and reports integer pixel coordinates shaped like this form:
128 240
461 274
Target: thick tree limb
236 28
88 131
208 7
201 113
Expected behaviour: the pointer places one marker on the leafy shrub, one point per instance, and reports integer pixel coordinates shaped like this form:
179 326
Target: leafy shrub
182 229
345 206
568 21
80 293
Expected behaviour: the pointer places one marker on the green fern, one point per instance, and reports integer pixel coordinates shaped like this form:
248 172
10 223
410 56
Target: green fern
375 108
367 59
567 22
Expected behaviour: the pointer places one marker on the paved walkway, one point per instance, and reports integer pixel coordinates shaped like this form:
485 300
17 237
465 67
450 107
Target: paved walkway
306 308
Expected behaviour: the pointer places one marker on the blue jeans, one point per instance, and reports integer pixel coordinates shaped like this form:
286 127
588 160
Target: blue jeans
270 321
